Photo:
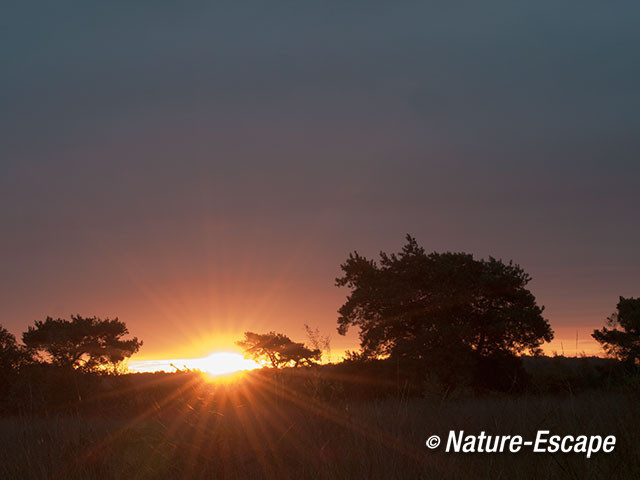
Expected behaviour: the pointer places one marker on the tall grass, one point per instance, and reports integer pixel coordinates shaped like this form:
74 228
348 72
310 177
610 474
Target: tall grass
256 431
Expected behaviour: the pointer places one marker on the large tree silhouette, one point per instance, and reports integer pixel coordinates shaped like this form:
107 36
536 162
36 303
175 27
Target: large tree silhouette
82 342
447 308
622 339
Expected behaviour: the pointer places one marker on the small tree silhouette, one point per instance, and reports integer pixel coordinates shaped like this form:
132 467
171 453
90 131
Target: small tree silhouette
277 349
622 343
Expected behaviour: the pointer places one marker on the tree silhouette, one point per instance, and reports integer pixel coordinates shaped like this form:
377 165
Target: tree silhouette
299 355
277 349
447 308
12 355
623 343
89 343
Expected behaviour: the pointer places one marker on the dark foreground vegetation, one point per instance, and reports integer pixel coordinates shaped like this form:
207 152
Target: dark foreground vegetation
324 422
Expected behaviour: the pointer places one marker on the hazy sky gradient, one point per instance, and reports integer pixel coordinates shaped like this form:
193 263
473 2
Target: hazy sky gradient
199 170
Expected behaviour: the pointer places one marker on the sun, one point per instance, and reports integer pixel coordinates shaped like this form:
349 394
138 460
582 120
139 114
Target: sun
223 363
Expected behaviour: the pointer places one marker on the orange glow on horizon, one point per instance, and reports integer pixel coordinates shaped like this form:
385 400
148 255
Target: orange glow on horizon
217 363
225 361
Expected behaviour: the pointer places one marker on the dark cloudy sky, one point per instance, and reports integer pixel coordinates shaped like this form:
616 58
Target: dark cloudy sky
199 169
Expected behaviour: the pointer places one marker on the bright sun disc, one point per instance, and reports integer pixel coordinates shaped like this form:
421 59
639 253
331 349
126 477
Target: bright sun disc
222 363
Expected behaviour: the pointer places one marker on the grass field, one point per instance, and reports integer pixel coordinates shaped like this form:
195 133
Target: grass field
252 435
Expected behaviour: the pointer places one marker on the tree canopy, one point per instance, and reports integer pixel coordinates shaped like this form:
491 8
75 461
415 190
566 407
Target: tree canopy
622 339
277 349
420 305
82 342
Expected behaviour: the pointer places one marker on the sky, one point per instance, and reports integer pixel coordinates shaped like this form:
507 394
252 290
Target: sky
199 169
